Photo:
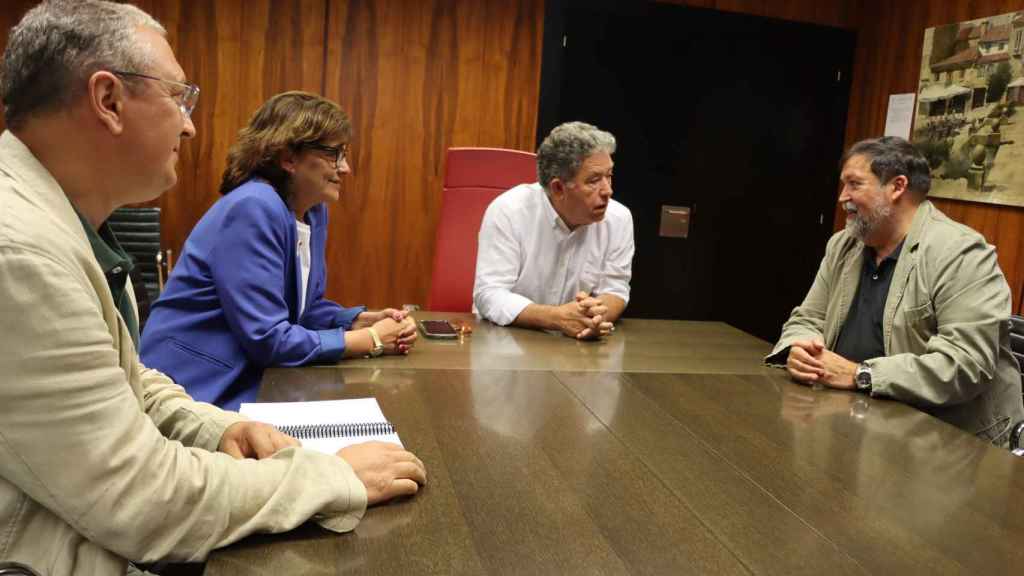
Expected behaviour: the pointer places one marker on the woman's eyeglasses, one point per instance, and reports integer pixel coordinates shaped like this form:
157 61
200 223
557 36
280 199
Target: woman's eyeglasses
339 153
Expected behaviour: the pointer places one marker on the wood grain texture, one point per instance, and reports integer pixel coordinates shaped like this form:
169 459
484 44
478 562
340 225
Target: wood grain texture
536 472
418 77
239 52
638 345
523 479
873 478
888 62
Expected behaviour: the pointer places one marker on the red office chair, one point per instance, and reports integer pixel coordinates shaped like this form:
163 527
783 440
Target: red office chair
473 177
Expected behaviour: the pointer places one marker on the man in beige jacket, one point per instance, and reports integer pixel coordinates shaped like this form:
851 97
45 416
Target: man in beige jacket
907 304
103 461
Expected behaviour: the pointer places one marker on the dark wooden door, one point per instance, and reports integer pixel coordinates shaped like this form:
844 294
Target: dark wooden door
741 118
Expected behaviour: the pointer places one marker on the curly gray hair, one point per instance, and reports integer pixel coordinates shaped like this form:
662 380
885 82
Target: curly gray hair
566 147
60 43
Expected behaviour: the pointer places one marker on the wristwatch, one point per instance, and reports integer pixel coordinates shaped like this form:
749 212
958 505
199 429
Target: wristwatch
863 378
378 346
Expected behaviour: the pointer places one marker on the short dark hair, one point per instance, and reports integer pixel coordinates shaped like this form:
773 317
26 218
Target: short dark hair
891 156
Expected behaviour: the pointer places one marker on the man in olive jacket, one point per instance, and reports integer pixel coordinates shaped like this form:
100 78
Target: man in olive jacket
907 304
103 461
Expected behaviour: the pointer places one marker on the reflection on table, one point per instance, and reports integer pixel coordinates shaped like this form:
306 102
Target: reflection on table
635 346
601 468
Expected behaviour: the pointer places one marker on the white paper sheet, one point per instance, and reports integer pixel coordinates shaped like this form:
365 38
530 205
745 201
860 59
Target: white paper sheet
353 411
900 115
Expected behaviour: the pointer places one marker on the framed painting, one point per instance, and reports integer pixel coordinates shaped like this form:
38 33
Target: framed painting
969 121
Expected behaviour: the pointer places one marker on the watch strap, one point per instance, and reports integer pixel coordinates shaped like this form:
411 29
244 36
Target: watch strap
378 346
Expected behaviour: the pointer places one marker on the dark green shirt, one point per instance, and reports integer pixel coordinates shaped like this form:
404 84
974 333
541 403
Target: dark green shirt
861 337
116 265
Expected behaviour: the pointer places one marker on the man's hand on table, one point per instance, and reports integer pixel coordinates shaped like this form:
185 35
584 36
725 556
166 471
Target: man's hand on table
582 318
387 470
596 310
254 440
810 362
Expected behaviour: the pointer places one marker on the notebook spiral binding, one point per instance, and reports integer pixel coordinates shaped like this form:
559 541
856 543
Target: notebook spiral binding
313 431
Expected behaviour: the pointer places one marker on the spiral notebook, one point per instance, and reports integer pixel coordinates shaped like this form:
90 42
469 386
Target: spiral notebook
326 425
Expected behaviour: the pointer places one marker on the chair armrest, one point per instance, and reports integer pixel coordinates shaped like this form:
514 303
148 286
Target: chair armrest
1015 435
16 569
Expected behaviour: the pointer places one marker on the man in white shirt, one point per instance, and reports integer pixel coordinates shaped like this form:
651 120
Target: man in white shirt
558 254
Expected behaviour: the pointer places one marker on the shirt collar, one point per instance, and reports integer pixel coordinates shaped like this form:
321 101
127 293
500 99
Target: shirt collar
108 251
116 265
17 161
894 256
552 214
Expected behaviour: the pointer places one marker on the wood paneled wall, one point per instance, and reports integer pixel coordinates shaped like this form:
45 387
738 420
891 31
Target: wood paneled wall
420 76
239 52
416 76
888 62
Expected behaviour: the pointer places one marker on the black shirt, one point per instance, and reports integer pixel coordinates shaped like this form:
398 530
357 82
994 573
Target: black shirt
862 337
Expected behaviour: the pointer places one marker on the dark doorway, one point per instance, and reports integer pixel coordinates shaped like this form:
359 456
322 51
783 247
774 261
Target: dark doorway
979 97
740 118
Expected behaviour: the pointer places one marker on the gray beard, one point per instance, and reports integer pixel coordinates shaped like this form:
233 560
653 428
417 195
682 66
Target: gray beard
862 225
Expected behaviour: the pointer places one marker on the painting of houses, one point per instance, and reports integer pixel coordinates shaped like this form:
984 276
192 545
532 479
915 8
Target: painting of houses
967 122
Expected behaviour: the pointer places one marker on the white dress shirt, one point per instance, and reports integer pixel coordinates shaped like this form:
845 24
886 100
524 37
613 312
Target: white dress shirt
527 255
302 248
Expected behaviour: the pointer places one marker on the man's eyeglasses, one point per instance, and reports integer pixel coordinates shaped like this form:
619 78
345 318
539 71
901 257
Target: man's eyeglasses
186 97
339 153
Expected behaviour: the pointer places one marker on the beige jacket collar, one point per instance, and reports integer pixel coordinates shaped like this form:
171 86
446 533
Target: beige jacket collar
18 162
850 278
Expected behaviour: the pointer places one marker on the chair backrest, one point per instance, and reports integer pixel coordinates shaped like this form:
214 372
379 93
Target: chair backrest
473 178
1017 339
138 232
1017 346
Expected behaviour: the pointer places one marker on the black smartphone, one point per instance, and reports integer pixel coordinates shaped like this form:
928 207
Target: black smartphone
437 329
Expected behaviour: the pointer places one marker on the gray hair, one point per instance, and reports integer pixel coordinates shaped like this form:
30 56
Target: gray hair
566 147
59 44
892 156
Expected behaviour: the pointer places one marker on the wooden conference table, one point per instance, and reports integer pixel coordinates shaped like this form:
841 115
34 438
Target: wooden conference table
666 449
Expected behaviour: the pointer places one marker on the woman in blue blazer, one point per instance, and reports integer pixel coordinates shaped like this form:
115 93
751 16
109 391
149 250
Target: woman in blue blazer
248 289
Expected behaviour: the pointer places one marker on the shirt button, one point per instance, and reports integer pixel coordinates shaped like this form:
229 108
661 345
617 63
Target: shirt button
875 277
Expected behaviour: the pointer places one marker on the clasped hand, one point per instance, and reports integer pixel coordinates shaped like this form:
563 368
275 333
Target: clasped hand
396 329
368 318
810 362
583 318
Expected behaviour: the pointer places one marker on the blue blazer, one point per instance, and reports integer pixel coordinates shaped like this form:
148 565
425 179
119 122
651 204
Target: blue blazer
231 305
